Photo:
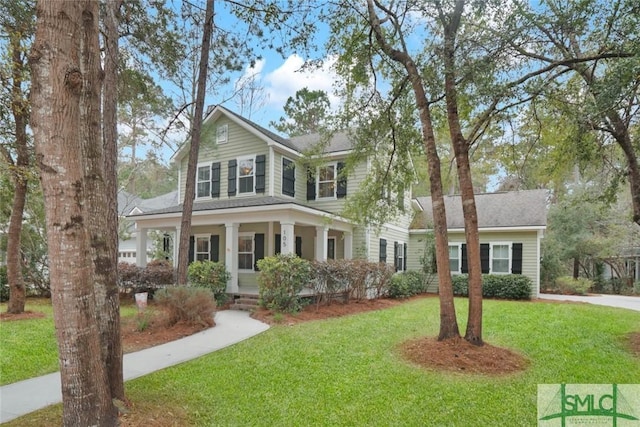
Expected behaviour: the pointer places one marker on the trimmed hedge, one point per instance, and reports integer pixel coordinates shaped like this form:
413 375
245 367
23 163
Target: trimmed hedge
352 279
501 286
407 284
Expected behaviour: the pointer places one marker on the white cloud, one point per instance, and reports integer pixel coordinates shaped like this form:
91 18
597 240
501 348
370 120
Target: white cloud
288 78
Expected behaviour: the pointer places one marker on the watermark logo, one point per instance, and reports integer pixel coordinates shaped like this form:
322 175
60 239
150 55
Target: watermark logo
611 405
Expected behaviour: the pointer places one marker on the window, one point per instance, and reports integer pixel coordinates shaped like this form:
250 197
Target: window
221 134
288 177
331 248
327 181
500 258
245 251
454 258
201 249
203 182
246 175
383 251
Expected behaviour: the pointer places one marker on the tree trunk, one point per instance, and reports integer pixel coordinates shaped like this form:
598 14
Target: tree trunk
20 111
190 187
66 69
448 322
108 301
576 267
460 145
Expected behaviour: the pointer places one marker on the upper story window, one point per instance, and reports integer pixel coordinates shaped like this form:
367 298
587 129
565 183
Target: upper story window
246 175
222 134
288 177
203 181
327 181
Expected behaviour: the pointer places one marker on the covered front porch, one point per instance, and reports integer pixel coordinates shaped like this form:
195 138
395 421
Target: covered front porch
239 237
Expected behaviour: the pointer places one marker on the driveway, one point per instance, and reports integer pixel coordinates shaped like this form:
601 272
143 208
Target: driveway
619 301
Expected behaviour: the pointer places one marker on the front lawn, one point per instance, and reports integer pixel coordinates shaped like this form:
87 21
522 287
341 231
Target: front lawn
349 371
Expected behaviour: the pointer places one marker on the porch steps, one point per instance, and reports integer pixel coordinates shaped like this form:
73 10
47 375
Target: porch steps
246 302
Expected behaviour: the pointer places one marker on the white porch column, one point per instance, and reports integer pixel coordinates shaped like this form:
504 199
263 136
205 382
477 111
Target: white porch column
270 242
348 244
322 234
231 255
287 238
176 246
141 247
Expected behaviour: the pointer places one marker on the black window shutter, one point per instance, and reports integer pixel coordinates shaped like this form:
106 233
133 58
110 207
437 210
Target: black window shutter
341 191
299 246
516 258
278 244
261 161
192 241
258 249
215 179
404 258
484 258
214 250
231 190
289 178
383 250
395 255
311 185
464 268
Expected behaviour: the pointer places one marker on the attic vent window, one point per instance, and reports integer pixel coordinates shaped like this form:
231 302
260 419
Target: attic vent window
222 134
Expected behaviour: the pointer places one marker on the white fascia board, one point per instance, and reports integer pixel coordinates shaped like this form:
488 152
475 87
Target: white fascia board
416 205
487 229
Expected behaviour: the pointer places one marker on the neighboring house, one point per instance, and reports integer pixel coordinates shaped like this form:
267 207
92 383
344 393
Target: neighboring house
129 204
255 198
511 226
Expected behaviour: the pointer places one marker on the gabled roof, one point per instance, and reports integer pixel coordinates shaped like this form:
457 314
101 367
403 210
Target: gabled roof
526 208
126 202
300 144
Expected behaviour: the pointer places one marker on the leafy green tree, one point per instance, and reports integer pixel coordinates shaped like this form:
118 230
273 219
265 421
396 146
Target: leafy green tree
305 114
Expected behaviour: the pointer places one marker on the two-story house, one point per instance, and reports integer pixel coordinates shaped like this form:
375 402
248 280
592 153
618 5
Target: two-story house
255 196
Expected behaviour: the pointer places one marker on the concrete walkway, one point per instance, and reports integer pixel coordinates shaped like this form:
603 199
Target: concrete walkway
232 326
618 301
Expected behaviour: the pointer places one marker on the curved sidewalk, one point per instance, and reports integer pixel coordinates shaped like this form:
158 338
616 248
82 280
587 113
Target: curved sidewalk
232 326
618 301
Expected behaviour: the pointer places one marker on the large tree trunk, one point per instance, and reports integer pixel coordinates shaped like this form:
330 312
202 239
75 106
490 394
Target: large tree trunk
448 322
110 305
65 81
20 111
460 145
190 187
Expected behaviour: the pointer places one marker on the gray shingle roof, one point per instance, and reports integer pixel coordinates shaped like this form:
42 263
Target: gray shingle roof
238 202
159 202
126 202
507 209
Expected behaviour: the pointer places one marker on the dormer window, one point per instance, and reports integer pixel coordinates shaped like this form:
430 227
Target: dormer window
222 134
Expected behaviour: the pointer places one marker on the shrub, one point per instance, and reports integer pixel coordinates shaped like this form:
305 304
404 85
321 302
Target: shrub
407 284
158 273
128 275
211 275
502 286
569 286
4 284
187 304
280 280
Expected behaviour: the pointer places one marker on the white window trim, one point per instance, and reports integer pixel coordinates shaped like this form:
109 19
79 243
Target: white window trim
253 250
207 237
253 186
458 246
222 129
203 165
282 177
335 248
335 182
509 246
401 260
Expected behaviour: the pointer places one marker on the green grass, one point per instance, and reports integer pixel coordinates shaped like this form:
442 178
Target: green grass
28 347
348 371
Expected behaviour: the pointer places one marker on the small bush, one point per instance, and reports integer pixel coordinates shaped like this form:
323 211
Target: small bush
128 275
211 275
158 273
407 284
502 286
187 304
280 280
569 286
4 284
